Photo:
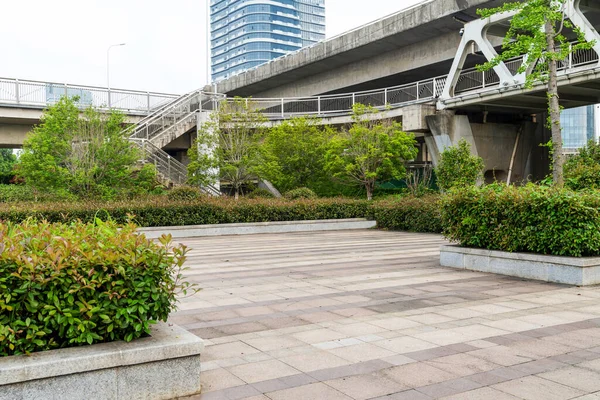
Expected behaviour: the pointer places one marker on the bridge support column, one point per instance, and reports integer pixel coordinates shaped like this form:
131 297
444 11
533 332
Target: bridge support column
494 142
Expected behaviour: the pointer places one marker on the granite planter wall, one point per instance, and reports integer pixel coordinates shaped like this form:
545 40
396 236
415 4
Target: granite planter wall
581 271
163 366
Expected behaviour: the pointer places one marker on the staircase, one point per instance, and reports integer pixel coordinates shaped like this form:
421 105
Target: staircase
167 124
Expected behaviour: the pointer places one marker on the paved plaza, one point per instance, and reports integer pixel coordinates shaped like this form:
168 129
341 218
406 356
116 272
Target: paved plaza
371 315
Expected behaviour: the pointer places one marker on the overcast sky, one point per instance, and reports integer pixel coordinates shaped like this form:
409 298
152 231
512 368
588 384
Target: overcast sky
67 40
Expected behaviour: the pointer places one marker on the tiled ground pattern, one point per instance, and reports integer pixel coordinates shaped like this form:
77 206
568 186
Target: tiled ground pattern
371 315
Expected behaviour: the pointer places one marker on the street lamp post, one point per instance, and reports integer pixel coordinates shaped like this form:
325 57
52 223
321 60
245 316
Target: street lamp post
108 69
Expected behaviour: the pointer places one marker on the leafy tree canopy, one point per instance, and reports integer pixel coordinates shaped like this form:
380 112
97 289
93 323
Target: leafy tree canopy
293 154
85 154
369 151
228 145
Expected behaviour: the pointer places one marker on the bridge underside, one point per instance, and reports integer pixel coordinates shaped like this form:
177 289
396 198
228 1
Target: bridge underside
16 122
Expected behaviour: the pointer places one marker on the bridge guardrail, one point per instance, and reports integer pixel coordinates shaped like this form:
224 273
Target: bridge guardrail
42 94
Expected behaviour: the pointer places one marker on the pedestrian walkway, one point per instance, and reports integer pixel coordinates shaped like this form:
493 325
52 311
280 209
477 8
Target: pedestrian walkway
371 315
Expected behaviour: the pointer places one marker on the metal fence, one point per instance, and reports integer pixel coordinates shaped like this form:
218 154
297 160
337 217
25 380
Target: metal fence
43 94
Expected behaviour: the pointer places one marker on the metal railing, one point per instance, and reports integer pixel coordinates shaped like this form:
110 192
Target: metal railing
342 104
172 115
472 79
169 169
21 92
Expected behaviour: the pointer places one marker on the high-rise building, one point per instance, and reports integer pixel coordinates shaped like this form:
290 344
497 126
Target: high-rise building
579 126
248 33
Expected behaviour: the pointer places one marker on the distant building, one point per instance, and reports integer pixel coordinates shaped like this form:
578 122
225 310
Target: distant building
248 33
579 125
55 92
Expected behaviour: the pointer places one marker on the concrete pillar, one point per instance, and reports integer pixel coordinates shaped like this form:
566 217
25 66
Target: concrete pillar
494 142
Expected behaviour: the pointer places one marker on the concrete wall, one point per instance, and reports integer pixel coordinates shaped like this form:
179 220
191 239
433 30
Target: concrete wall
13 135
413 57
16 122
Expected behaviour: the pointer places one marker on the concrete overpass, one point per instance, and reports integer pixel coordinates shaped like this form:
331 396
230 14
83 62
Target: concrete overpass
22 103
493 110
411 45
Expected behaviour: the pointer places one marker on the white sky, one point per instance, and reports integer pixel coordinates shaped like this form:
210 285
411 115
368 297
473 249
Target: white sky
67 40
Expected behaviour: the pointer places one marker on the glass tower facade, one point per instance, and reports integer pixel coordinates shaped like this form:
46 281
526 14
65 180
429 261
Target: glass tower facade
578 126
248 33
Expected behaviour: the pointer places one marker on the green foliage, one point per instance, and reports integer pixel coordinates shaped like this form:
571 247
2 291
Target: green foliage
524 219
228 143
526 35
7 164
539 31
458 167
184 193
260 194
369 151
407 213
161 211
293 154
64 285
300 193
421 181
19 193
582 171
86 155
413 214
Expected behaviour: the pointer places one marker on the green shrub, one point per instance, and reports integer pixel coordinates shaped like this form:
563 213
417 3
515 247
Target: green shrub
524 219
458 167
582 171
300 193
260 194
184 193
161 211
64 285
20 193
413 214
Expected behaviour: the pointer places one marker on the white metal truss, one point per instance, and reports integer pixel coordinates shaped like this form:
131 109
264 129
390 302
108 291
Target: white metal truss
476 32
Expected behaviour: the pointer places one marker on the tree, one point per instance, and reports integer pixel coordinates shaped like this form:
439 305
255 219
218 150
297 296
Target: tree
536 32
369 151
293 154
458 167
7 164
230 144
87 154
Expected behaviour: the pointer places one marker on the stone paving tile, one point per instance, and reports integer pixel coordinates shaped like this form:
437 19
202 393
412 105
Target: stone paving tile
578 378
370 314
418 374
219 379
315 360
449 388
263 370
314 391
535 388
486 393
462 364
362 352
366 386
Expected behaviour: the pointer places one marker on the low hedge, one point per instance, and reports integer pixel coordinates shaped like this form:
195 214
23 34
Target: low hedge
64 285
524 219
413 214
164 212
416 214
